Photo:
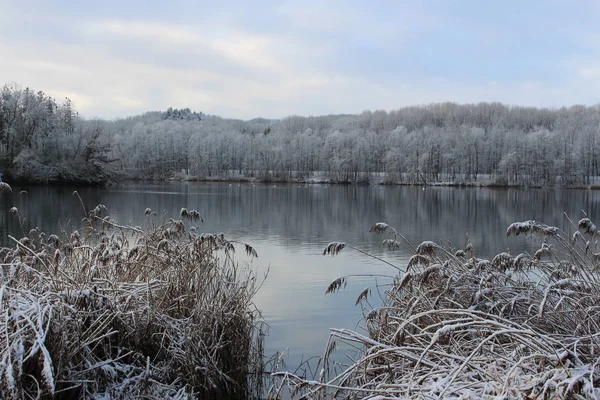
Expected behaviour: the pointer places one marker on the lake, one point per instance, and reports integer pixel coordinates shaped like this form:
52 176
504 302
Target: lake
289 225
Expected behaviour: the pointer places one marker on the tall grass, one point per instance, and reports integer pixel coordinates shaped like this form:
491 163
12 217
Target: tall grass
118 312
456 326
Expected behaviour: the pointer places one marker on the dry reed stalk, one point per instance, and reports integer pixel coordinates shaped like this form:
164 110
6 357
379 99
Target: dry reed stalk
452 327
125 312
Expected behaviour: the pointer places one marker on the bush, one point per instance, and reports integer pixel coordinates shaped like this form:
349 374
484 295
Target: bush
124 312
456 326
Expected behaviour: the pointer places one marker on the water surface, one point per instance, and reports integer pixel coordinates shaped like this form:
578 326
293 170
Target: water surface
290 225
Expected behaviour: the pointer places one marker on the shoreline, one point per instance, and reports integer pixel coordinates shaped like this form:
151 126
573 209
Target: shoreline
318 180
256 180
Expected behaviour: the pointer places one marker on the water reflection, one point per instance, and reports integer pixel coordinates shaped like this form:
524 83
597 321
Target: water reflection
289 225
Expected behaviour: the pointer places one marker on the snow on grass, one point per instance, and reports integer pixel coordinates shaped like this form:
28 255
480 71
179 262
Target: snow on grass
513 327
119 315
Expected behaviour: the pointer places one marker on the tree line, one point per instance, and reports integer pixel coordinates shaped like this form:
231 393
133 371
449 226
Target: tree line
44 141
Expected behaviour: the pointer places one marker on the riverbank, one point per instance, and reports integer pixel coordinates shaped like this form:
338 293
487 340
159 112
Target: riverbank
317 177
324 178
490 183
379 178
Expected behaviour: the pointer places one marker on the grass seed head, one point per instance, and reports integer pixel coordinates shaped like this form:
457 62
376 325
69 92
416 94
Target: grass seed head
5 188
337 284
334 248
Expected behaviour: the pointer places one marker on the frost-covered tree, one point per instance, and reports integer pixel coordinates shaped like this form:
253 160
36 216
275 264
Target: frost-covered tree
445 141
42 140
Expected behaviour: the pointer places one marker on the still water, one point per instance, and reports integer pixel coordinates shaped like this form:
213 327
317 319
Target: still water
290 225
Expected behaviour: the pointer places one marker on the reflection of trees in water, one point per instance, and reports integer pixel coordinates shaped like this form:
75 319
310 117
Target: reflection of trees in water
45 207
313 214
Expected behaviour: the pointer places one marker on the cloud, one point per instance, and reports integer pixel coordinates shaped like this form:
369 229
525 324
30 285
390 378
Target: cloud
386 24
591 71
309 59
227 74
244 49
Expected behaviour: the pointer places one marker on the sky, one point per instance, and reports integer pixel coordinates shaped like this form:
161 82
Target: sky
272 59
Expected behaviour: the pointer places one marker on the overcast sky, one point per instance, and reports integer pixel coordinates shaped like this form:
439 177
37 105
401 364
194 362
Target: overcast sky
272 58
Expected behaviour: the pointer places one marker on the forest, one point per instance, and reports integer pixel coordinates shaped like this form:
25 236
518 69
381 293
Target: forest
43 140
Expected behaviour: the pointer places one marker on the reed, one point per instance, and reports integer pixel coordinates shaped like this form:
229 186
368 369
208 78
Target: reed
456 326
113 311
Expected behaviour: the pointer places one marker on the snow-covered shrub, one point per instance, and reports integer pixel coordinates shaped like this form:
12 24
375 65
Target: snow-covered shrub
524 326
117 314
